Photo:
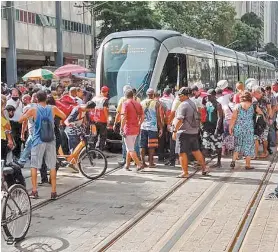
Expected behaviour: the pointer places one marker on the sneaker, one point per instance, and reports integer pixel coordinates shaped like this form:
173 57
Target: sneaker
53 195
271 196
170 163
121 162
34 195
74 168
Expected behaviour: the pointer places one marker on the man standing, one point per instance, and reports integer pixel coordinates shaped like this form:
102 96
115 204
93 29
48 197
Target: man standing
213 127
41 149
164 141
15 124
100 116
271 133
118 120
186 129
132 117
149 127
265 105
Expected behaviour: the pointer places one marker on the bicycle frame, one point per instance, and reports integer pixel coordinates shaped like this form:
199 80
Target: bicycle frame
72 158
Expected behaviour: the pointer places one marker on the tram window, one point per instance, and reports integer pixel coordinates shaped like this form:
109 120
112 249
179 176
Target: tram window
243 72
253 72
227 71
174 72
200 71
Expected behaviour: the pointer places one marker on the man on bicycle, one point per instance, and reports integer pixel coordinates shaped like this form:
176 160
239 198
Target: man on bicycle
77 118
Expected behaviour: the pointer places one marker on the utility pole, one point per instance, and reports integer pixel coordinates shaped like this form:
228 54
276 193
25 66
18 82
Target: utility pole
83 28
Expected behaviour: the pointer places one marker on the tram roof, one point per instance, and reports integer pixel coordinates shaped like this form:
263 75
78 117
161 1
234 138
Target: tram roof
159 35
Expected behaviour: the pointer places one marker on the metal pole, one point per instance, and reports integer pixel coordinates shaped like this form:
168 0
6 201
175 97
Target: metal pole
59 34
93 29
84 35
11 59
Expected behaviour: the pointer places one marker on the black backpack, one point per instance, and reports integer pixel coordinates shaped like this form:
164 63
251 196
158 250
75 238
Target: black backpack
259 122
47 130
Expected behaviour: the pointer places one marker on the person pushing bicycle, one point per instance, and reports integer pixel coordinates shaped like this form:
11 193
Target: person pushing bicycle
77 118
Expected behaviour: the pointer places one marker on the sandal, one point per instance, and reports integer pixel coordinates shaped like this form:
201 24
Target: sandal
233 164
249 168
127 168
152 166
140 168
183 175
263 156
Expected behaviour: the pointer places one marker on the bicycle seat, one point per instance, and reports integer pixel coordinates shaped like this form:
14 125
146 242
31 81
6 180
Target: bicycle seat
8 170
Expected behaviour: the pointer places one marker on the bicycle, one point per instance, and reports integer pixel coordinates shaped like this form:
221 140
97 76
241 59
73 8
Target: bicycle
83 153
16 209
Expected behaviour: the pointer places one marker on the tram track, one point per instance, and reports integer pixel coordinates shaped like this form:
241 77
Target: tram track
241 232
140 216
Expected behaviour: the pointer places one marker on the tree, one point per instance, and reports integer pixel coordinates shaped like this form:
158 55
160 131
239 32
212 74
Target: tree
204 19
126 15
246 37
271 49
252 20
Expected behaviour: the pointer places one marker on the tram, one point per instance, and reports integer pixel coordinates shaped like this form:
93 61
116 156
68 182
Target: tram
158 58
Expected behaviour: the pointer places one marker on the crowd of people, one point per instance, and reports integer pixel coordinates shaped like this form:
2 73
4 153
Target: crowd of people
39 121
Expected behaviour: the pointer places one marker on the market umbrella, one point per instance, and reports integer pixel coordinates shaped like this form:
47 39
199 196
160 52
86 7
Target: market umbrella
70 69
39 74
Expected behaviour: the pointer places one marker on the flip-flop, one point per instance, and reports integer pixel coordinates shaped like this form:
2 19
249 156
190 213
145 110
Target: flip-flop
263 156
127 169
183 176
249 168
152 166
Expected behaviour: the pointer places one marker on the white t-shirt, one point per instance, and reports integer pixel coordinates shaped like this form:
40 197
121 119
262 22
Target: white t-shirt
31 122
18 109
197 101
224 100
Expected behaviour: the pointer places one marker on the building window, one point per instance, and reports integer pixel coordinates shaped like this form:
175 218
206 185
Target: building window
52 21
38 20
31 18
4 12
21 13
44 20
25 15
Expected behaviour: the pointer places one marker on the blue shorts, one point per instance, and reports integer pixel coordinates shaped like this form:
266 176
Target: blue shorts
149 139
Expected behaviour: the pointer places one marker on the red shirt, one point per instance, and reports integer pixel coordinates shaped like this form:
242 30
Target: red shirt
236 99
132 110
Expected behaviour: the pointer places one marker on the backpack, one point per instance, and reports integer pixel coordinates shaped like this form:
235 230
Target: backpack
195 123
47 128
259 123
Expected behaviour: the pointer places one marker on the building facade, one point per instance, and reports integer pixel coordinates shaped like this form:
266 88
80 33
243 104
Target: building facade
36 34
267 11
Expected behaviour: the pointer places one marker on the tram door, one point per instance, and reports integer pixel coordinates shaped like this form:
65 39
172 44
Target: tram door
174 73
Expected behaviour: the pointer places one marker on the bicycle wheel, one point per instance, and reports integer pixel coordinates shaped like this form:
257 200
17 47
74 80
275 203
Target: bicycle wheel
92 163
17 212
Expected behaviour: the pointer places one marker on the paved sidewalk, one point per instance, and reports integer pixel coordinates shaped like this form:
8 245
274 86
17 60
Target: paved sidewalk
85 219
262 235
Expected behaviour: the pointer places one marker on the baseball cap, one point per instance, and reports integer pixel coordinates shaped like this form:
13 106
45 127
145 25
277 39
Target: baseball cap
105 89
72 89
150 91
222 84
211 92
194 88
185 91
167 90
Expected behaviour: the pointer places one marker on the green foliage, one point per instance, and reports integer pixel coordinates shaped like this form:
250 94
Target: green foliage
126 15
252 20
271 49
246 37
204 19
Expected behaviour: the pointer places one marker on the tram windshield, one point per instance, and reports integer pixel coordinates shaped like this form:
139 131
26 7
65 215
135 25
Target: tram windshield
128 61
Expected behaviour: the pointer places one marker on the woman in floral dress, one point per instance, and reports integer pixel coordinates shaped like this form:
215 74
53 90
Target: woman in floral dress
242 127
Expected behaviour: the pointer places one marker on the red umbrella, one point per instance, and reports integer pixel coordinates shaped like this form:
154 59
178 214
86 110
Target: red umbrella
68 70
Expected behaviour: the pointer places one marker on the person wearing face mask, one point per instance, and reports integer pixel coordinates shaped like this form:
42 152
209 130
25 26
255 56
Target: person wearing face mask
16 126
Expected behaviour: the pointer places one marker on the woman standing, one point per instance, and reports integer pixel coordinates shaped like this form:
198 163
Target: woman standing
242 127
